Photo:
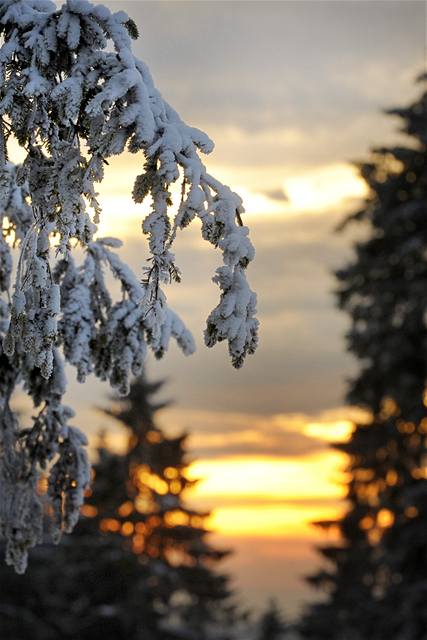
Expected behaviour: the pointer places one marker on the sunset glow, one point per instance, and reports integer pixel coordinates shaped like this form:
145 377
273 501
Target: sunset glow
311 477
263 496
266 521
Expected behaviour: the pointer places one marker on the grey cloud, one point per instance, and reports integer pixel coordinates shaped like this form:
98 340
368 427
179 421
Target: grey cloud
262 64
277 194
318 72
278 445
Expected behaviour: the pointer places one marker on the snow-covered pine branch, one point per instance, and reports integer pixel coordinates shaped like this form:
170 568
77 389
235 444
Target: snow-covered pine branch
73 94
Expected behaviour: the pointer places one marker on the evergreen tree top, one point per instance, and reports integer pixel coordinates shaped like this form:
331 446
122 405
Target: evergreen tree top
137 409
139 499
415 115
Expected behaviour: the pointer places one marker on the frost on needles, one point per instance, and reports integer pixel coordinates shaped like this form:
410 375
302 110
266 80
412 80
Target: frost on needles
73 94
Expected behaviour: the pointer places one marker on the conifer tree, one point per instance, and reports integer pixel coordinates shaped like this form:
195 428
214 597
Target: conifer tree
139 563
72 94
140 496
377 579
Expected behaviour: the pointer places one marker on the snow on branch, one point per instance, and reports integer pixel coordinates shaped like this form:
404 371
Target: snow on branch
73 95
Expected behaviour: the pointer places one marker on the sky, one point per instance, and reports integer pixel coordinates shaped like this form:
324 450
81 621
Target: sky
291 93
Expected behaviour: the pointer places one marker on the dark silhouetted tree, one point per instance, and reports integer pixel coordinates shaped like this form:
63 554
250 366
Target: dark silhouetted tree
376 583
139 564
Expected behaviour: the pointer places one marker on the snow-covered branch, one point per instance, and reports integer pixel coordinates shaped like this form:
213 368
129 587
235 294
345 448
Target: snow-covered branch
73 94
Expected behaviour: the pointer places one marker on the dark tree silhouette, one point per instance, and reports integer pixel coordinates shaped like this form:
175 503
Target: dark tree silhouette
376 580
139 564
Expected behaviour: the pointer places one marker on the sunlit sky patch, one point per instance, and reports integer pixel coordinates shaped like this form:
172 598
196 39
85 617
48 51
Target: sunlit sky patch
321 190
302 486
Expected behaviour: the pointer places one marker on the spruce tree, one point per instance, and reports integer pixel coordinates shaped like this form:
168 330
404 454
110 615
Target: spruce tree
72 95
139 563
140 497
377 581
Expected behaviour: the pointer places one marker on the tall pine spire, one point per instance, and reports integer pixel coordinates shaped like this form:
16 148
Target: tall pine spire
377 576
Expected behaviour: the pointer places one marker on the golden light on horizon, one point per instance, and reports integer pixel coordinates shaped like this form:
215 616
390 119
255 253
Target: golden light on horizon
259 495
279 521
309 476
269 497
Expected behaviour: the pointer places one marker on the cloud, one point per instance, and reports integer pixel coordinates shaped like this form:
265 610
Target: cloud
216 435
308 65
277 194
275 444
